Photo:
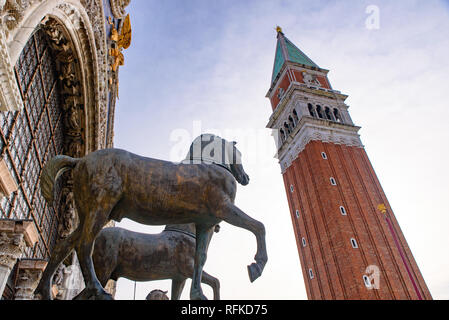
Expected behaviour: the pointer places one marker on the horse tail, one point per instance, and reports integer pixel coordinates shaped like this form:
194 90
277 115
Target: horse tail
53 169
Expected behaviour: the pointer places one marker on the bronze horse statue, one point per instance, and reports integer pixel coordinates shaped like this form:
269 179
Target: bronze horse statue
120 253
114 184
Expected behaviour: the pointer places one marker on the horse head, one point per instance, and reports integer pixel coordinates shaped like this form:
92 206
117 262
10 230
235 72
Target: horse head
209 148
236 164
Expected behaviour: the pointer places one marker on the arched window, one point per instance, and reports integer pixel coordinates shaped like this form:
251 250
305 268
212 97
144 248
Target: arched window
32 136
328 114
297 214
295 116
354 243
319 111
324 155
282 134
287 128
343 211
311 274
333 182
304 243
292 123
337 115
311 111
367 281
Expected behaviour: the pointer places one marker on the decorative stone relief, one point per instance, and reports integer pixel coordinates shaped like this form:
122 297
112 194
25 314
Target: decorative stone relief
15 236
94 9
69 216
29 275
70 84
13 11
68 281
11 249
118 8
10 99
310 79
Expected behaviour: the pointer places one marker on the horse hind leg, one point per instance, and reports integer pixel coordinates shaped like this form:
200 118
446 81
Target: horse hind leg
177 285
233 215
212 282
84 250
61 251
96 215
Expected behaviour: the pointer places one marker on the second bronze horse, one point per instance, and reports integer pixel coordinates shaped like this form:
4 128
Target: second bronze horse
120 253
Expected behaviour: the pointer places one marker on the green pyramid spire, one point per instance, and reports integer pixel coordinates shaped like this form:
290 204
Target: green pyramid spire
287 51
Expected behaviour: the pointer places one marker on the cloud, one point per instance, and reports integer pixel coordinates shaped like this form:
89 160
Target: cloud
212 61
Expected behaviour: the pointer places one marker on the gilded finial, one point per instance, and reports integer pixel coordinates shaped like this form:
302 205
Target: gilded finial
279 29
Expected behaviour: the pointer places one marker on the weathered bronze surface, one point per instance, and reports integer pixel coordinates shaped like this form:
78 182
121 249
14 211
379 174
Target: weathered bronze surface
120 253
115 184
157 295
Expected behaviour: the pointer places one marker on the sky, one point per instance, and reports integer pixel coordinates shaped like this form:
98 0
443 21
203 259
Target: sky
205 66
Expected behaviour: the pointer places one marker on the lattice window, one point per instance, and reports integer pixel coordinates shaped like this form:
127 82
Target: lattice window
32 136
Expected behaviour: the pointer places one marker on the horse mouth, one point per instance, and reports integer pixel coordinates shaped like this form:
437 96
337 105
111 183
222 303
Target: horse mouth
244 180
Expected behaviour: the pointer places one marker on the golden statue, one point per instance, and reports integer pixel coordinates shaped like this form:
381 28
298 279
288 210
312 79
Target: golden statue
122 41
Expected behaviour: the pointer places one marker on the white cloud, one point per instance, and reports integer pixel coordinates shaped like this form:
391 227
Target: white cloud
396 78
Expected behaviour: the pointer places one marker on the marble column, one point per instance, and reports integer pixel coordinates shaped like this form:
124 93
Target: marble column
15 236
29 274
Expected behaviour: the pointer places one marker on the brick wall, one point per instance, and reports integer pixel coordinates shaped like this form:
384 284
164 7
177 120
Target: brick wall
338 268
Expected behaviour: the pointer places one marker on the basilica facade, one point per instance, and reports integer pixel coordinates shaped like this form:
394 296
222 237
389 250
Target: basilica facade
59 64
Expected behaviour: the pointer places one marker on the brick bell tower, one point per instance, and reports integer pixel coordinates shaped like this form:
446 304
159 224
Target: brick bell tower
349 242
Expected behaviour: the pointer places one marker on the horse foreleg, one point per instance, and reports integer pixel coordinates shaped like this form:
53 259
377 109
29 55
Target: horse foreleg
233 215
213 282
177 285
61 251
202 242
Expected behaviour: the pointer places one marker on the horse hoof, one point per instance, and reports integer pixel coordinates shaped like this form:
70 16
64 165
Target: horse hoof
254 272
197 296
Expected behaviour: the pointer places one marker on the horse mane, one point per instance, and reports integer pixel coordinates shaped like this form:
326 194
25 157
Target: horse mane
198 155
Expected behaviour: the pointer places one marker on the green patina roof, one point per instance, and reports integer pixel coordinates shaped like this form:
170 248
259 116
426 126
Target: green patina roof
278 61
287 51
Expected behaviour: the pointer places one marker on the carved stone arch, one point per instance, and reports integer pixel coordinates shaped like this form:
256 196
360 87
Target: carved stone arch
118 8
70 34
83 26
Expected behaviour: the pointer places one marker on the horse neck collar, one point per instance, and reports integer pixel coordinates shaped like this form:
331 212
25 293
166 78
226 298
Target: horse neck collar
195 160
174 229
